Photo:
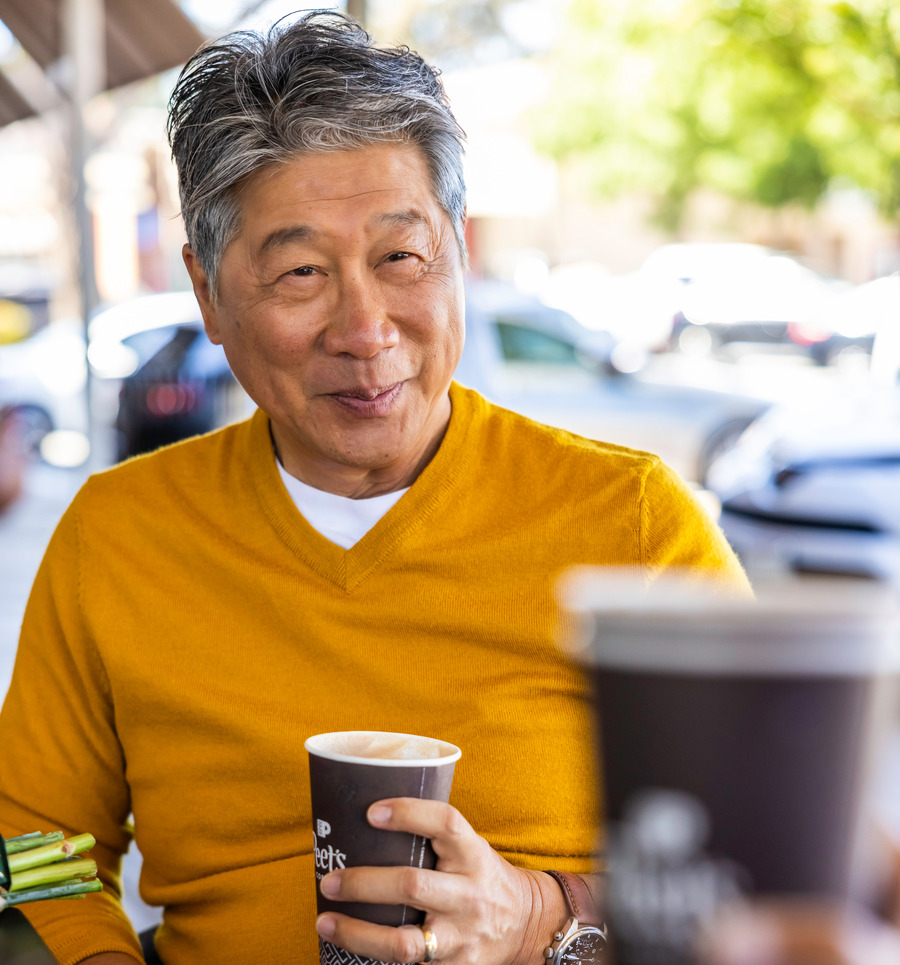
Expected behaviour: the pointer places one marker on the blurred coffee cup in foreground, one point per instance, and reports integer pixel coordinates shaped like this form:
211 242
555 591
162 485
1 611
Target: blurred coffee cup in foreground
351 770
735 738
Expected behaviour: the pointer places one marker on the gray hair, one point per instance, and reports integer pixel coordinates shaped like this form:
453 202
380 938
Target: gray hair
250 100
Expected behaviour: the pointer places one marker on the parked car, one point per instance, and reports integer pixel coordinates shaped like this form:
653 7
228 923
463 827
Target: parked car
42 379
183 389
848 323
125 335
519 354
727 295
815 487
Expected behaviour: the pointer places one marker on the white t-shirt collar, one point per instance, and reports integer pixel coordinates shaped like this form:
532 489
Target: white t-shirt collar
342 520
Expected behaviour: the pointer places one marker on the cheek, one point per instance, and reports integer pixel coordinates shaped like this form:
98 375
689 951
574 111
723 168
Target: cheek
438 320
275 340
452 336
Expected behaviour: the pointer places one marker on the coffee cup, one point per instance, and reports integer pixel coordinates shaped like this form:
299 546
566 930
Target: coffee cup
350 771
735 734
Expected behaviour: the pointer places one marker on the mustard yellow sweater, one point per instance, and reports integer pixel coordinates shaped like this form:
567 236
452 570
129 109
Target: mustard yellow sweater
188 630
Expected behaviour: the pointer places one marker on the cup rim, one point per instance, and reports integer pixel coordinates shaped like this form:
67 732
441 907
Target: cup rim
622 590
451 752
816 627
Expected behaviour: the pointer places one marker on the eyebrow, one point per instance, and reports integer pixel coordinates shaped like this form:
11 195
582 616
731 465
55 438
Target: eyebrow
411 218
297 234
283 237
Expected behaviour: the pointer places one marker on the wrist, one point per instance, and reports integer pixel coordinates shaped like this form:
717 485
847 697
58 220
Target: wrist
583 937
548 914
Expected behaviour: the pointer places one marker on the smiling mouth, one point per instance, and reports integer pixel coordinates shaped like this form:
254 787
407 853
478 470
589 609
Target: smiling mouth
376 401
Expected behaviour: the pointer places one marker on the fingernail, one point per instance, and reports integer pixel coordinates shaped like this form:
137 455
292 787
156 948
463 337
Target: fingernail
325 927
331 885
379 814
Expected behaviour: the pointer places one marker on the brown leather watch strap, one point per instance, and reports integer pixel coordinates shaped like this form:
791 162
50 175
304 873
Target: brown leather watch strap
582 894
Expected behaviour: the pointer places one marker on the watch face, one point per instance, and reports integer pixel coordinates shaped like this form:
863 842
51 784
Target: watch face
586 945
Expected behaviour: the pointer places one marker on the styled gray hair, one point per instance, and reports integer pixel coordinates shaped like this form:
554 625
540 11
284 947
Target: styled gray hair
251 100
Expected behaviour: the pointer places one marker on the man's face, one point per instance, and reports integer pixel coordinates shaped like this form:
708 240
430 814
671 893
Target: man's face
340 308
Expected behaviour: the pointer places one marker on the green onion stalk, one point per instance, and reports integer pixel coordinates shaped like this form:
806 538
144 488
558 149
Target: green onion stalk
44 866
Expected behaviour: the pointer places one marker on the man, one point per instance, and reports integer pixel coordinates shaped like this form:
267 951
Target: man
375 549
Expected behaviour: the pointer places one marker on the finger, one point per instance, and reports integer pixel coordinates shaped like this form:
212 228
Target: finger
787 934
380 942
740 936
455 842
430 891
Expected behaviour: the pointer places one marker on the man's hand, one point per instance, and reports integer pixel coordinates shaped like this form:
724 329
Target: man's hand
798 934
802 933
479 907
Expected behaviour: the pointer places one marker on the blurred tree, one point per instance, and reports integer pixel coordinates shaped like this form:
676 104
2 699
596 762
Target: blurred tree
768 101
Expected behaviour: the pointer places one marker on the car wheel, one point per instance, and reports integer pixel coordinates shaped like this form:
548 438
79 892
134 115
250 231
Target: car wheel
36 424
719 441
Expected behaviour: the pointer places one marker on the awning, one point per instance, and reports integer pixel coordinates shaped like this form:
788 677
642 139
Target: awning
13 107
143 38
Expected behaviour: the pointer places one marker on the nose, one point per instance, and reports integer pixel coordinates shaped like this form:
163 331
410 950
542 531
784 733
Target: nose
359 325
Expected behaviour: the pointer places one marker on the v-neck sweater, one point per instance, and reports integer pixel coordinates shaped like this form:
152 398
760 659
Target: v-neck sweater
188 630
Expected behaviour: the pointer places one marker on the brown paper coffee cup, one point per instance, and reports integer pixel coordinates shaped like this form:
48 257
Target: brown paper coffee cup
350 771
734 734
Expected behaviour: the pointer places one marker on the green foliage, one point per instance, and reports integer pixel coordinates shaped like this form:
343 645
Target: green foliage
767 101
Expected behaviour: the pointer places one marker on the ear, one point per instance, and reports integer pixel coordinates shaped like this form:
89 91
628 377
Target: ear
202 293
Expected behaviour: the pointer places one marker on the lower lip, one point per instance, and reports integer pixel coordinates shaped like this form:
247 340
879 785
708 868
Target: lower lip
381 405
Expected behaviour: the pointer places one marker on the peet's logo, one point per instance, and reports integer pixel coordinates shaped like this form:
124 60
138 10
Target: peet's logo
663 885
327 858
323 828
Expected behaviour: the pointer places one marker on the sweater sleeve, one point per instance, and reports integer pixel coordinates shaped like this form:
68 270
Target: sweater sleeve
678 533
61 764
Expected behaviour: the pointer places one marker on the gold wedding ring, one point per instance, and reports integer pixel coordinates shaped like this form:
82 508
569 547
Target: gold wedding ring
430 943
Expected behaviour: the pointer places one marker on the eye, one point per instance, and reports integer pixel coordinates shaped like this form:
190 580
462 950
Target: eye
399 256
304 271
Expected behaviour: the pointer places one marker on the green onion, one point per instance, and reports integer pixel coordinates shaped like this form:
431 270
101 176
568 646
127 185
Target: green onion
25 842
44 866
67 889
36 857
53 873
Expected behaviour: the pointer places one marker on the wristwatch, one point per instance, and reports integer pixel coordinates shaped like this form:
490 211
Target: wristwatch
583 937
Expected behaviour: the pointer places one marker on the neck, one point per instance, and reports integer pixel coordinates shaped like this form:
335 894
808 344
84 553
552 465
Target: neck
359 482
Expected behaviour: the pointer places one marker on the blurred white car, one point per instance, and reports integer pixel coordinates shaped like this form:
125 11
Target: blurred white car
115 352
43 378
539 361
817 487
728 294
846 326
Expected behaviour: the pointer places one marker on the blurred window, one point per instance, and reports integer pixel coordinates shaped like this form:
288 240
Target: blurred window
521 344
147 343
